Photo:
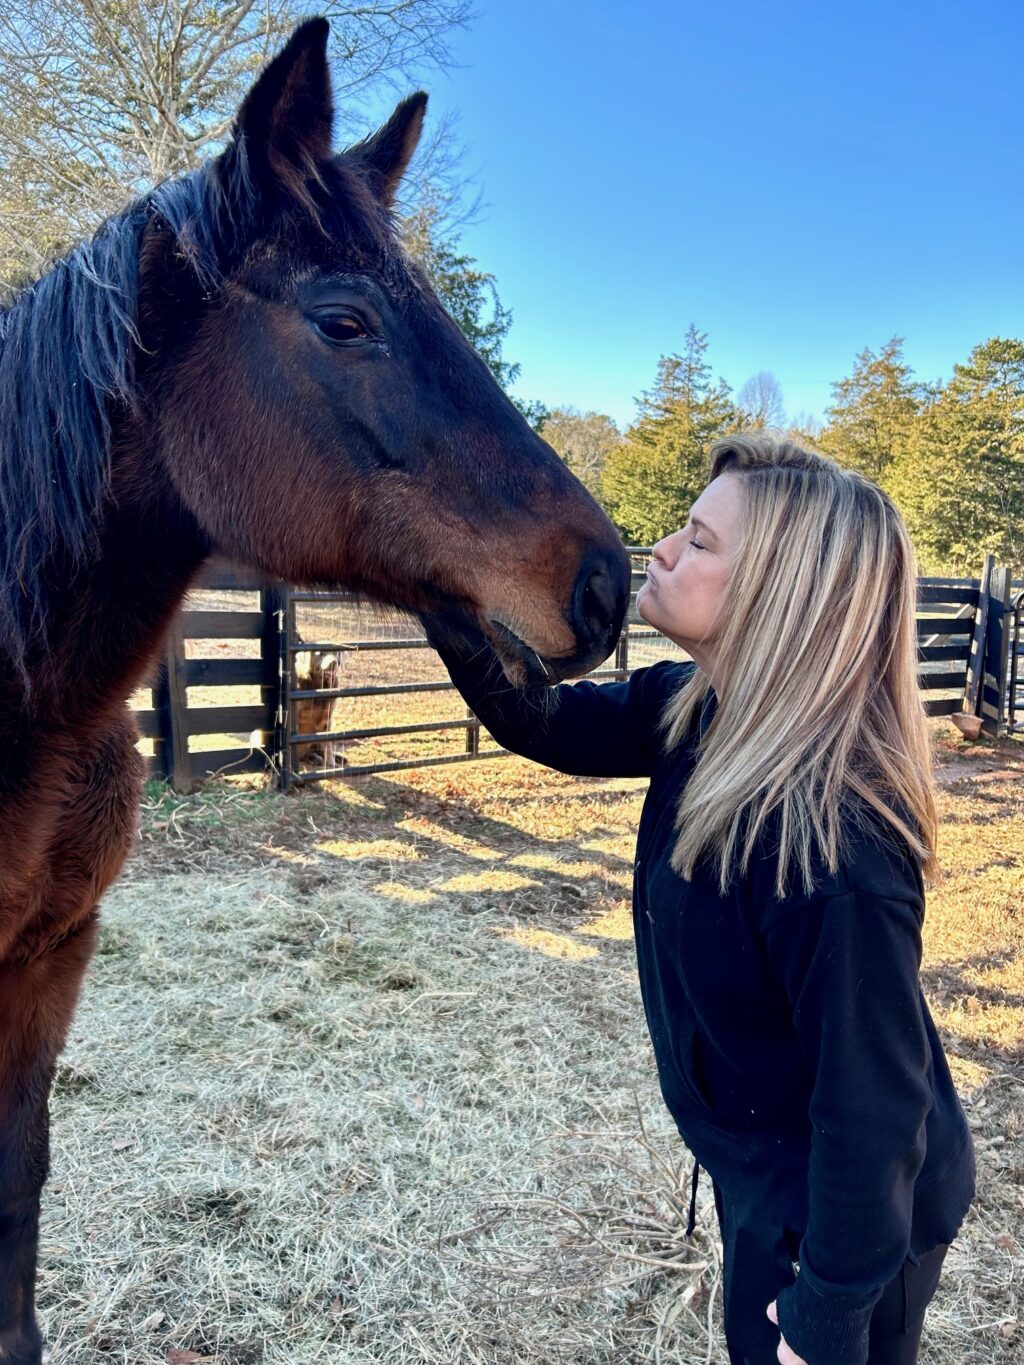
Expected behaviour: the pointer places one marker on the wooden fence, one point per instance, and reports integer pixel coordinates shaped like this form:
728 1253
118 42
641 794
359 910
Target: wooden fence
224 697
172 720
1015 683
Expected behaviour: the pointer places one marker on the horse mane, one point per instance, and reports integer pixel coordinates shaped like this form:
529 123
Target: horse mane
68 345
67 358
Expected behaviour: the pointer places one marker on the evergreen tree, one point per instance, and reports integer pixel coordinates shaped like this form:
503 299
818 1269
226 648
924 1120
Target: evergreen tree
960 482
872 412
651 480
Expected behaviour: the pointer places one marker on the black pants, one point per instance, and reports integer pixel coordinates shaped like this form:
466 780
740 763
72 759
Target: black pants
758 1261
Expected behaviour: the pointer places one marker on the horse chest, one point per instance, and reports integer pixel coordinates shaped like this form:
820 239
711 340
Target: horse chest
67 837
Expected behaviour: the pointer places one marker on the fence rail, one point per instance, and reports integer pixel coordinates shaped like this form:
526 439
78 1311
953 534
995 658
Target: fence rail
228 694
1015 667
223 728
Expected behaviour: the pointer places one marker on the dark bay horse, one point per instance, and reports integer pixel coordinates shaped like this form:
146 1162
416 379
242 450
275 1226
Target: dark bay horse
245 361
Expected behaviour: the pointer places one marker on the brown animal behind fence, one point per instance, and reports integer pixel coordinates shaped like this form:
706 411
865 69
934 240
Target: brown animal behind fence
316 670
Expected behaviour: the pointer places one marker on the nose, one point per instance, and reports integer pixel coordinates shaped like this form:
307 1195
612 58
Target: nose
599 602
663 551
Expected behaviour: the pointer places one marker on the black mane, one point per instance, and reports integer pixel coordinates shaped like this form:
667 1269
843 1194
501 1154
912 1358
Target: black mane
67 349
68 345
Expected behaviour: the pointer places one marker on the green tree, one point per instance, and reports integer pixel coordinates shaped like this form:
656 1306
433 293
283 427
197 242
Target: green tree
584 440
872 413
651 480
960 481
535 412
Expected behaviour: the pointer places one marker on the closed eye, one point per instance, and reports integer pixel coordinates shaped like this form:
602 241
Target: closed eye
697 546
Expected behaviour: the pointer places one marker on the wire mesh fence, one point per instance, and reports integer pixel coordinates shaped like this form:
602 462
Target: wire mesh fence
389 704
315 684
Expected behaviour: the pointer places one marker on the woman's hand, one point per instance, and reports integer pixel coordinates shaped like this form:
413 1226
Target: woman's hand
786 1356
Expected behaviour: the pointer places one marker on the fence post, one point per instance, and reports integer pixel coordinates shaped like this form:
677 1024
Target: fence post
287 636
622 653
272 607
1017 614
967 720
472 734
170 698
994 710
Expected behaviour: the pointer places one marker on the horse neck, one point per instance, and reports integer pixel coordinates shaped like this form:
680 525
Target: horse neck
107 615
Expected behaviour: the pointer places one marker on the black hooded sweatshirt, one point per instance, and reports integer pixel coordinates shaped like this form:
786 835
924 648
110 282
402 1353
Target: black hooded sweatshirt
793 1043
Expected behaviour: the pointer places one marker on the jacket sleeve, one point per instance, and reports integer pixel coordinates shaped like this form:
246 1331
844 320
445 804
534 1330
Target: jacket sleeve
849 964
590 729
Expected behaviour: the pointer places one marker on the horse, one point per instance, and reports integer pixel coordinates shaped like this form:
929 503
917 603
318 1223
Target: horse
320 671
244 361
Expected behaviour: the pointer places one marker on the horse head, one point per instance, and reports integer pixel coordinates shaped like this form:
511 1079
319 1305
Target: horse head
320 415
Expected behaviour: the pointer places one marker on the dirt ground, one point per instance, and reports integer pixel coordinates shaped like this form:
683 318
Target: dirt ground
360 1075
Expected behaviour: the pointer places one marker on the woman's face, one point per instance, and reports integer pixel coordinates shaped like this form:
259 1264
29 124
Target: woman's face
689 570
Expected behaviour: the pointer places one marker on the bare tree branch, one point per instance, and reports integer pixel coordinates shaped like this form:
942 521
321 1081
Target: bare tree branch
100 99
760 400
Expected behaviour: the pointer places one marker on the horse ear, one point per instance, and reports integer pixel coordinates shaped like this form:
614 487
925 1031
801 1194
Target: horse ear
386 154
283 129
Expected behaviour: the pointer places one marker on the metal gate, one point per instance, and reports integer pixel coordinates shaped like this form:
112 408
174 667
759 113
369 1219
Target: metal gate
302 702
952 632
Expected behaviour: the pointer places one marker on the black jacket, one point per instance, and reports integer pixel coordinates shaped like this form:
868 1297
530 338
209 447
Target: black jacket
793 1043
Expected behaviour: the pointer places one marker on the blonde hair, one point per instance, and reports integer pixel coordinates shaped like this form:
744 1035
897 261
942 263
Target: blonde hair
817 647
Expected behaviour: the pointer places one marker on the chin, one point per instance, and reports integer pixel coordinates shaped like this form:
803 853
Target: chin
649 613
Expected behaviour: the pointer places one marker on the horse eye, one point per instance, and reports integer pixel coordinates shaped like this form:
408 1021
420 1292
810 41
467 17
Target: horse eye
339 328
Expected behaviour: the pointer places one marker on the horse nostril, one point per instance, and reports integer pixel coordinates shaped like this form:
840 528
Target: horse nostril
598 600
599 604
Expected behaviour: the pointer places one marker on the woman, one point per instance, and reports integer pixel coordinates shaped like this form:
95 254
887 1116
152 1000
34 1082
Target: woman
779 895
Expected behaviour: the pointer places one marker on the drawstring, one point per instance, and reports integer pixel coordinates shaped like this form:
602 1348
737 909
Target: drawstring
692 1222
903 1277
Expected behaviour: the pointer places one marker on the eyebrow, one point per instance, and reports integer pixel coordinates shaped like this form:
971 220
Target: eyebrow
696 521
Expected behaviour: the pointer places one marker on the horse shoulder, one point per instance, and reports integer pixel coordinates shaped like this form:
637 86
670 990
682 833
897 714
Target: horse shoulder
80 810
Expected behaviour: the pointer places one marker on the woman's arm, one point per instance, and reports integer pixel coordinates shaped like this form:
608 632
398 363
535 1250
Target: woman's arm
849 963
590 729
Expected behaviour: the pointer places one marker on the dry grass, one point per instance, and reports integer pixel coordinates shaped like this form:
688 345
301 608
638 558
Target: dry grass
361 1075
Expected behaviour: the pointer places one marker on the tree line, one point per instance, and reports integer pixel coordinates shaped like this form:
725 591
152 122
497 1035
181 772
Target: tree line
950 454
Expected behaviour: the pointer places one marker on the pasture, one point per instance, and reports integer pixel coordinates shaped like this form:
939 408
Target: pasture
360 1075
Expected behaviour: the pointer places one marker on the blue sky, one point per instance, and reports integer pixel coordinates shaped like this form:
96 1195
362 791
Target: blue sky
801 180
